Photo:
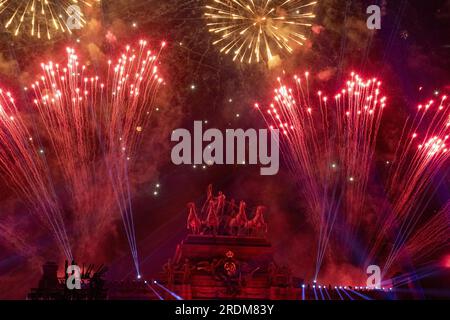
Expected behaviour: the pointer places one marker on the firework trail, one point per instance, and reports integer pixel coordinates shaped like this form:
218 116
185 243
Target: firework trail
403 279
432 236
255 30
65 98
134 82
43 18
420 156
23 164
90 122
329 149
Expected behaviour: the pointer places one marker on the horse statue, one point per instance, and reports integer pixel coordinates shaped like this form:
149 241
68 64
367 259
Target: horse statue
212 220
257 224
240 220
193 222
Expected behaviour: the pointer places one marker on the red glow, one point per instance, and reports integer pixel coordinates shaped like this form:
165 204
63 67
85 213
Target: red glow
447 261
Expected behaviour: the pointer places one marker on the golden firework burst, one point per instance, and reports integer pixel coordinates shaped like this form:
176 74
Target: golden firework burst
256 30
43 18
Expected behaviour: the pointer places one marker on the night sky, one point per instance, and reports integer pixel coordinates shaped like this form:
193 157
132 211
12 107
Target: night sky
411 51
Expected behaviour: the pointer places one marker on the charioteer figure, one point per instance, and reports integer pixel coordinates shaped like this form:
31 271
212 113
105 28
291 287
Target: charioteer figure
220 203
232 208
209 197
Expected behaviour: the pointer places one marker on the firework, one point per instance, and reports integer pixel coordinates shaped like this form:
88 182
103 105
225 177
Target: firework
43 18
65 105
421 154
133 82
23 164
90 122
256 30
329 149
